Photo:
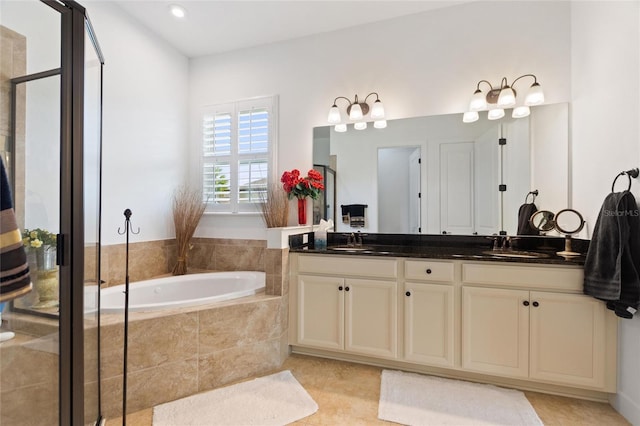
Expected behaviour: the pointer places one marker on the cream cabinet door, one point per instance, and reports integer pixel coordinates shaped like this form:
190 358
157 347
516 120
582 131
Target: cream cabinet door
429 324
371 317
567 339
495 331
321 312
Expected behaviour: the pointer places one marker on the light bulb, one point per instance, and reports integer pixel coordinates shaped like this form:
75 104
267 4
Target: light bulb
495 113
380 124
535 95
360 125
334 115
478 101
470 117
341 128
521 111
177 11
377 110
507 97
356 112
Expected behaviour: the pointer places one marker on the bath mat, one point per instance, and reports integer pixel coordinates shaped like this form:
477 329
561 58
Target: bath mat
415 399
272 400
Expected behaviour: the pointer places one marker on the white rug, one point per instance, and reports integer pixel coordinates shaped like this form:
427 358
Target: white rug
272 400
415 399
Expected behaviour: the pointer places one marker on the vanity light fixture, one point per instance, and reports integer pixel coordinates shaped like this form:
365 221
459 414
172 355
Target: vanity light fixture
357 112
177 11
499 98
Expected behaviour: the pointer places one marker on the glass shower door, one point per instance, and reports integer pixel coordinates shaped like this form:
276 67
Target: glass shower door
92 190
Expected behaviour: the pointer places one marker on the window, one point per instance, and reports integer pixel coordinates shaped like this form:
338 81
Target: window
238 152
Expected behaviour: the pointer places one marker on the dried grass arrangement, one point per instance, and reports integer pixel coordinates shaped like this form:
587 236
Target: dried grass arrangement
188 208
275 206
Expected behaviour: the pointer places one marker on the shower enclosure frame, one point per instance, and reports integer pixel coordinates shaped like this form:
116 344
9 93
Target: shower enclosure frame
71 237
74 26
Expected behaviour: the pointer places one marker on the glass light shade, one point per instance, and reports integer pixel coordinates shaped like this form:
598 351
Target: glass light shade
521 111
470 116
478 101
356 112
507 97
377 110
334 115
495 113
380 124
535 95
360 125
341 128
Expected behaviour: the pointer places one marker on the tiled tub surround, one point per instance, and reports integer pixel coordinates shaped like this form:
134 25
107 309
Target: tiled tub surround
155 258
180 352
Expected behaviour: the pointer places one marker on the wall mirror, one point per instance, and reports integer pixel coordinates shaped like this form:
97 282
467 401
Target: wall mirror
454 188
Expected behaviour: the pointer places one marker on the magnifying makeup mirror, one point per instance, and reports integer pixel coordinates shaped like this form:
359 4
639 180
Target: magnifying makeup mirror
568 221
543 221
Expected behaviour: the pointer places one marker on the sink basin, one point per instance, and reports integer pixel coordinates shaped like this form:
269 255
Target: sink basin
516 254
349 249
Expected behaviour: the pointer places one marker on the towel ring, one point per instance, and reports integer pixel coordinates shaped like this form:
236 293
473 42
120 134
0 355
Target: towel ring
534 194
633 173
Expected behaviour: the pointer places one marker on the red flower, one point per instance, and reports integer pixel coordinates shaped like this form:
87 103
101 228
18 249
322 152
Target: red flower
302 187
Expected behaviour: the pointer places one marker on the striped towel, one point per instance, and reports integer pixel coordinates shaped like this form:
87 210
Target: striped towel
15 280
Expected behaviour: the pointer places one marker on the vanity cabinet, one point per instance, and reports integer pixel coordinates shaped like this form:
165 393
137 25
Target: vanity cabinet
429 324
356 315
429 312
548 336
495 331
514 324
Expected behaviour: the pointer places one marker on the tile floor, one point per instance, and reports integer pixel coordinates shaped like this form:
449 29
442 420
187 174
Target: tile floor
347 394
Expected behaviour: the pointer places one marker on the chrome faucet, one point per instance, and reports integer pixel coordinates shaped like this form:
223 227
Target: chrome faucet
358 239
506 243
351 240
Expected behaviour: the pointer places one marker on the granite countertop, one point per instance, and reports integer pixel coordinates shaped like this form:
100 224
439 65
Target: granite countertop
534 250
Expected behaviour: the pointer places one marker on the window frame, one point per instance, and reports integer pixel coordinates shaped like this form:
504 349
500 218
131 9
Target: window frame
270 103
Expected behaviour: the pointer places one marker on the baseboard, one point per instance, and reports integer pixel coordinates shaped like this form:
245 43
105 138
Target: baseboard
627 407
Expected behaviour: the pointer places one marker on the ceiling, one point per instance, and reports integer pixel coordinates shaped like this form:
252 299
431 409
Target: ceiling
212 26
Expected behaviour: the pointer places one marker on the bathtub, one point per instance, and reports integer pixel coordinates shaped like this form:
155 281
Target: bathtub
183 290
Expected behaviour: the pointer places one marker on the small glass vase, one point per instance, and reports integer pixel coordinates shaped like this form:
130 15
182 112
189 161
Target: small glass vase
302 211
46 258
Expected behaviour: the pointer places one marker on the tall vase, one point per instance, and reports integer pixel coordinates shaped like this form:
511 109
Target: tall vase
302 211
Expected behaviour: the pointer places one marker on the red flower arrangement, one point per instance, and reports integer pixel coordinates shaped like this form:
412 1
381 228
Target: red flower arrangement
302 187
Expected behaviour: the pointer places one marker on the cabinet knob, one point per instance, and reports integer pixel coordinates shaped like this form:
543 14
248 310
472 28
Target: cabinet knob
525 303
340 288
346 288
408 293
428 271
535 304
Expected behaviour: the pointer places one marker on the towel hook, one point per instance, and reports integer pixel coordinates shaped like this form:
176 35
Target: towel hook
533 193
633 173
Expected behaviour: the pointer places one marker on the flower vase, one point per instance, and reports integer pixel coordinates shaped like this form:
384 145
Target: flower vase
302 211
46 258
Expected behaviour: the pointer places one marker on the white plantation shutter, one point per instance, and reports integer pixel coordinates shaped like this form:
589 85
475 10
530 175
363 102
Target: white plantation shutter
238 149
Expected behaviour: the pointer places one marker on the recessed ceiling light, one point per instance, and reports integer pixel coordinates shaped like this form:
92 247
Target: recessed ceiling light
177 11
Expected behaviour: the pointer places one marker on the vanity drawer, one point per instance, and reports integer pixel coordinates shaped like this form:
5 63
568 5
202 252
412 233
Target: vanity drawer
348 265
546 277
428 270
